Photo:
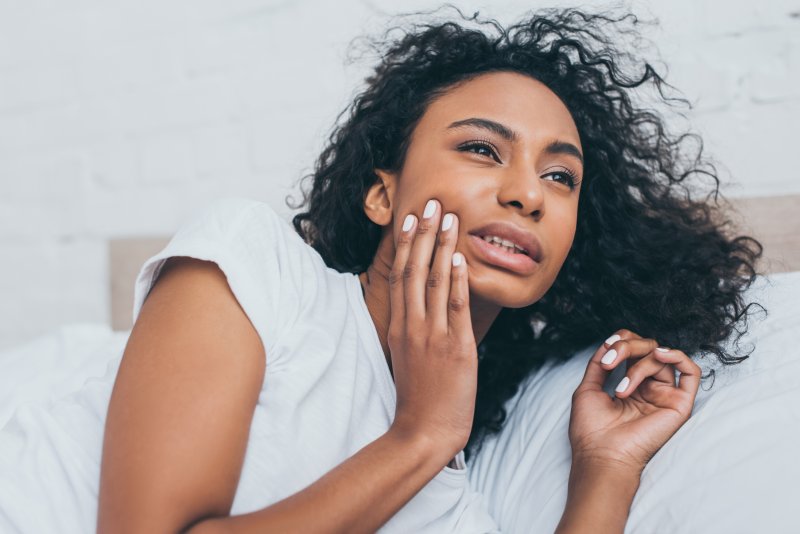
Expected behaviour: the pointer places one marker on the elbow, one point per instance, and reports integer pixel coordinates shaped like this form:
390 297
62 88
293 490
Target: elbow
203 525
207 525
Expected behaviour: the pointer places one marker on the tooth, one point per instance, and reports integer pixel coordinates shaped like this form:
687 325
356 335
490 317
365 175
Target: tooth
507 243
487 238
498 245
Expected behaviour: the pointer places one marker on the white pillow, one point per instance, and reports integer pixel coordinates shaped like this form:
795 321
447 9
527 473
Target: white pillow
731 468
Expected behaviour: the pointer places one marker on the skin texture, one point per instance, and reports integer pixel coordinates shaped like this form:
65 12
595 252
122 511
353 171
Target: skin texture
477 189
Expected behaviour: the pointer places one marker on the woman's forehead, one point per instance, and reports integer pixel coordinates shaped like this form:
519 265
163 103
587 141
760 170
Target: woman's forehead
526 106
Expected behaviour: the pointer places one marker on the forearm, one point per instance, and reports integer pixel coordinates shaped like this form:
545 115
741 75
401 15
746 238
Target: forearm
598 500
359 495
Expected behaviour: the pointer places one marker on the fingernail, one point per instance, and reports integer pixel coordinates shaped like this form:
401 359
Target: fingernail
662 349
623 384
408 223
613 339
609 356
430 208
447 222
457 258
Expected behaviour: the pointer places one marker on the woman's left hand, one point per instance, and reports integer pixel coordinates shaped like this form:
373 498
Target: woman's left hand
626 431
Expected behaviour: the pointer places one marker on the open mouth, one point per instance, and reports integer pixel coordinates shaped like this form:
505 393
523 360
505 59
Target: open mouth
504 239
507 257
503 244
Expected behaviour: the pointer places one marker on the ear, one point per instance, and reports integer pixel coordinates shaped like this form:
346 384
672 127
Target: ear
379 198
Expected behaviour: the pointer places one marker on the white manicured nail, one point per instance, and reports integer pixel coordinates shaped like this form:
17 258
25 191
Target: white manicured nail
662 349
430 208
408 223
609 356
447 222
623 384
613 339
457 258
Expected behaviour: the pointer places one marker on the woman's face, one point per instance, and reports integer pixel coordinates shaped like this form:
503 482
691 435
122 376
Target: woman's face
487 151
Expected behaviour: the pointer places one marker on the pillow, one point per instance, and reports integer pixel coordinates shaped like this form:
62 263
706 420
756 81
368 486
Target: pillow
731 468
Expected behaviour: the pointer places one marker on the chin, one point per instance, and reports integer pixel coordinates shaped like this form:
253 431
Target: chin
507 291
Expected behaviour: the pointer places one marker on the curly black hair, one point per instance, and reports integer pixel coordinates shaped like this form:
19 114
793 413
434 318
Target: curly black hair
648 255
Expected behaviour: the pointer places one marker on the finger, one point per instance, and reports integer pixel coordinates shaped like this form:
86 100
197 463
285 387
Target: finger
459 317
418 264
622 333
596 373
439 280
405 238
594 376
647 367
624 349
689 379
666 375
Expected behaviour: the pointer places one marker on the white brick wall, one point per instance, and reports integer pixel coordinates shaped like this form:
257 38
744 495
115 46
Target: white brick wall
121 118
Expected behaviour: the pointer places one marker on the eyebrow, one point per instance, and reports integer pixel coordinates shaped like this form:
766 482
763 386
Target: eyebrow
556 147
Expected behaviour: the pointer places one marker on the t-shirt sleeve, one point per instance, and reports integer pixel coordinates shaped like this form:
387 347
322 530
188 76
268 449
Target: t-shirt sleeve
262 257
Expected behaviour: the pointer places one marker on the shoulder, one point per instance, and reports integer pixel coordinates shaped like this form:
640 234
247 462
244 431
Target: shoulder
251 227
271 271
187 284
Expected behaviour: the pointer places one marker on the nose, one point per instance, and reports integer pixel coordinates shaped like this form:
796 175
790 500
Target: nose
522 188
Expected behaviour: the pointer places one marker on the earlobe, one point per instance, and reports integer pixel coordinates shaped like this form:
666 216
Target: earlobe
379 197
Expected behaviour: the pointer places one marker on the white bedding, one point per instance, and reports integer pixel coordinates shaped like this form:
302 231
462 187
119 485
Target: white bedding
732 468
54 395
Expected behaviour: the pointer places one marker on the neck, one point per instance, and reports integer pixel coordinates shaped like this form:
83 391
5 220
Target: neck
375 286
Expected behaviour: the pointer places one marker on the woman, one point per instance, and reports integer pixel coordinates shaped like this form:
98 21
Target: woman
489 203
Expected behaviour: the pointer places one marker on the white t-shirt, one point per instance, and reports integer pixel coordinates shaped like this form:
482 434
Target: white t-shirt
327 390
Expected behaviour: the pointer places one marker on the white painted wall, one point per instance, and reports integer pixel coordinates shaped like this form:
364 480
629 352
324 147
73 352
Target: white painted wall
121 118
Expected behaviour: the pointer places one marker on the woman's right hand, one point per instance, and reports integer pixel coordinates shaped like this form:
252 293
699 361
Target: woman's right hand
613 439
432 344
627 430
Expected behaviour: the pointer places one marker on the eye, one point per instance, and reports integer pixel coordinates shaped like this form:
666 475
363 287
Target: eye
566 177
484 148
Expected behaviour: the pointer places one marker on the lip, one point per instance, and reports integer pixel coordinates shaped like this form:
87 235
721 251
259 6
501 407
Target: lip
513 233
517 262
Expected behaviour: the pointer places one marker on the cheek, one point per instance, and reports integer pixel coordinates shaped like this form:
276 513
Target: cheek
413 191
412 199
562 234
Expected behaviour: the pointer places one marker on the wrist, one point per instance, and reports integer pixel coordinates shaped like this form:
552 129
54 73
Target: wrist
618 482
420 445
599 497
590 466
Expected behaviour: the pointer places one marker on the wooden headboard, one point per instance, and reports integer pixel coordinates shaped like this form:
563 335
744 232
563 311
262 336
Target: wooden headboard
775 221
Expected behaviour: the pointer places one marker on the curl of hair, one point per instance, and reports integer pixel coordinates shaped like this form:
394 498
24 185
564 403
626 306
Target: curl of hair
647 254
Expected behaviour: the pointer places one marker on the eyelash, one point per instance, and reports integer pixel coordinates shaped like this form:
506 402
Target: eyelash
483 143
571 176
